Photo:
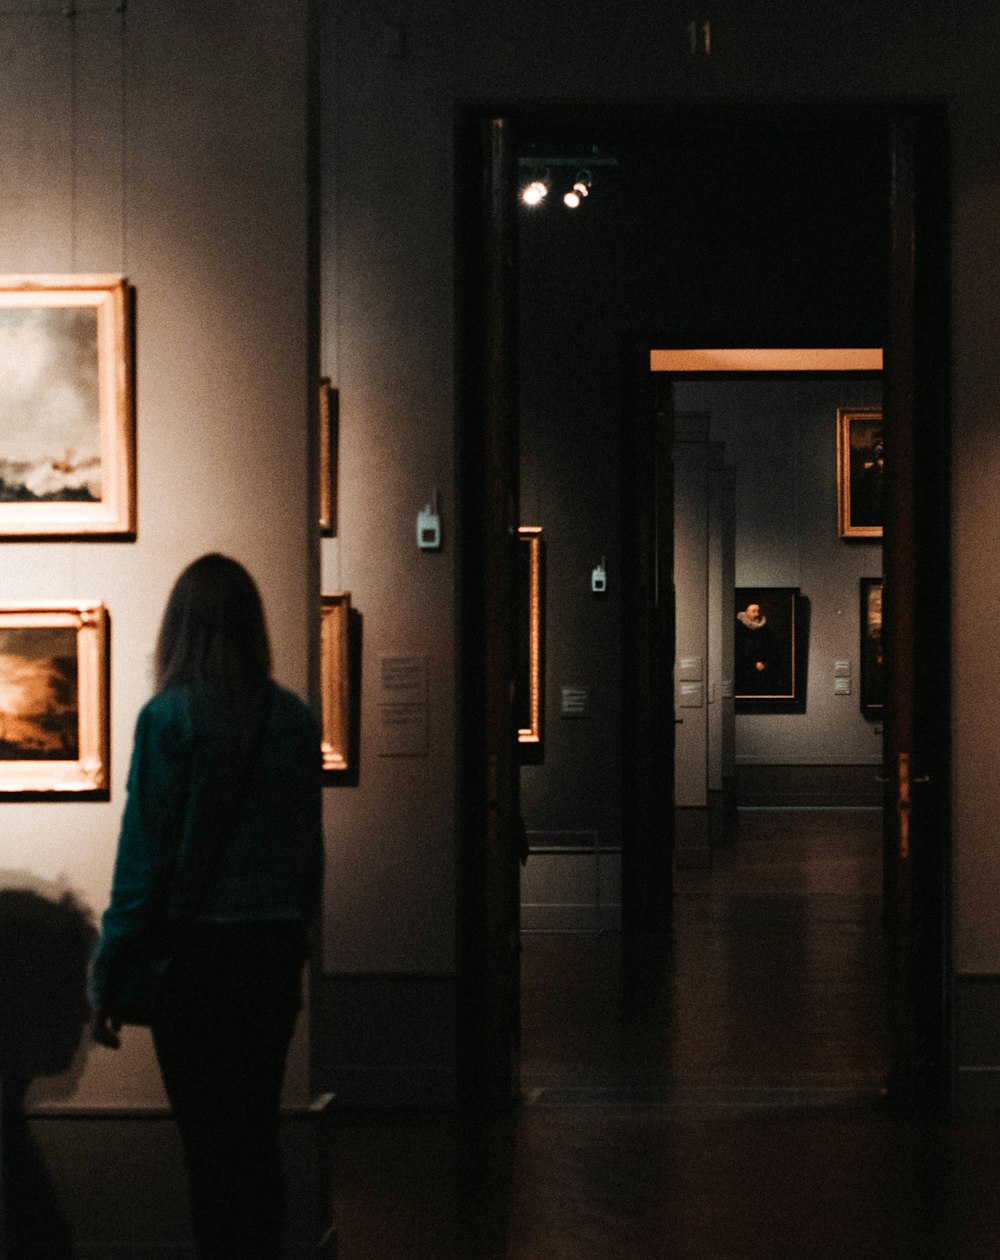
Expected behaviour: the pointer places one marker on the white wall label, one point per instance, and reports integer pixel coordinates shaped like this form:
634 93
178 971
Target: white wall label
841 669
402 707
841 686
575 702
691 696
691 668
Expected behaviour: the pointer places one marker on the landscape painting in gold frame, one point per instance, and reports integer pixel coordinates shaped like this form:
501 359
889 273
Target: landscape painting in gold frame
860 472
67 407
54 699
529 669
335 681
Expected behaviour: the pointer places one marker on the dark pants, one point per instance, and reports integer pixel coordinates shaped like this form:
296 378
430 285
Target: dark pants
228 1012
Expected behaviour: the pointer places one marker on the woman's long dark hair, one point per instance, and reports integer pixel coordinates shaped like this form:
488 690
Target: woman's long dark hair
213 633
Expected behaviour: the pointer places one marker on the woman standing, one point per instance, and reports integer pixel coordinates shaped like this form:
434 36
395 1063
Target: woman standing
220 860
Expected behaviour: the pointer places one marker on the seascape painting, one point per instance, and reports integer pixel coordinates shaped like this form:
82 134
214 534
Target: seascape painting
67 407
50 422
39 694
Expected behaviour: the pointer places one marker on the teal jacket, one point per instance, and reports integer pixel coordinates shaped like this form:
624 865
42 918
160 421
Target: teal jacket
186 781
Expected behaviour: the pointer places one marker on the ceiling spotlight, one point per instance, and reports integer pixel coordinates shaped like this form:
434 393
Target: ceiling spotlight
535 192
579 191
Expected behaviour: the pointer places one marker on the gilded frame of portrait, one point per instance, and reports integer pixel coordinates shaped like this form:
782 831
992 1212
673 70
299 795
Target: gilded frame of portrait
872 688
769 668
67 410
329 426
54 713
531 594
335 682
860 464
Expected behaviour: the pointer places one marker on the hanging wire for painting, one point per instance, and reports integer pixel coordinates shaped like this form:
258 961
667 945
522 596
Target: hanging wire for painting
71 14
333 545
120 9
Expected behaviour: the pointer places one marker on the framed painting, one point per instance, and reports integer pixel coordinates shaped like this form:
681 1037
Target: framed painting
335 682
329 425
530 604
769 649
872 674
67 407
54 699
860 472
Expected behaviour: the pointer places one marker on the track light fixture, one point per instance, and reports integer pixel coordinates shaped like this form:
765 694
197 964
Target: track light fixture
579 192
535 192
537 180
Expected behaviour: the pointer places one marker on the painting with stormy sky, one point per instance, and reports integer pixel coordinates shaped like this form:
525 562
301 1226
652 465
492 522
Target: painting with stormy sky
50 433
39 695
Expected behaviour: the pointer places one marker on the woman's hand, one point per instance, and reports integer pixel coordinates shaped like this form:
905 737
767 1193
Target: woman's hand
105 1029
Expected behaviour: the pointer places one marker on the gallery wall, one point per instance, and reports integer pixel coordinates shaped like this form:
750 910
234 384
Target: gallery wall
569 354
131 144
205 209
781 438
592 282
390 129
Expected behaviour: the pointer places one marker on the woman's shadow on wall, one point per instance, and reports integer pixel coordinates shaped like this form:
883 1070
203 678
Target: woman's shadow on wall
46 939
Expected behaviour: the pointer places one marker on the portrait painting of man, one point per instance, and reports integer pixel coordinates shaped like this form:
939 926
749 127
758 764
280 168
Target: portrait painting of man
861 472
767 647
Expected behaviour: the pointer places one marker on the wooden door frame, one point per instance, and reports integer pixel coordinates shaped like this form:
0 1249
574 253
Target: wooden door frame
922 1006
917 621
487 918
647 655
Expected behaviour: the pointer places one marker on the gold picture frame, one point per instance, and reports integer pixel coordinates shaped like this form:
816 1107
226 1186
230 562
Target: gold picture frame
770 650
54 716
872 661
67 408
329 424
860 469
335 681
529 674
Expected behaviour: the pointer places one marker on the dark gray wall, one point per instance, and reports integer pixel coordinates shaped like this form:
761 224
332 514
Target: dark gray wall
388 267
781 437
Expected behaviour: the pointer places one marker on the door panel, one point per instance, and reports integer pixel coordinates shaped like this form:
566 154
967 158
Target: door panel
648 657
488 926
916 628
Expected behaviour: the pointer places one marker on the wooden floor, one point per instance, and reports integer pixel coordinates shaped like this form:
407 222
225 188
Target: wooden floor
723 1102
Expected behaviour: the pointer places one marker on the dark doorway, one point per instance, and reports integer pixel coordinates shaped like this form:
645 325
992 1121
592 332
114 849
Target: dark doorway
724 225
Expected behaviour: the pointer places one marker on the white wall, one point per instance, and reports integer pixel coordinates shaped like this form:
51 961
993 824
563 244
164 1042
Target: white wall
188 175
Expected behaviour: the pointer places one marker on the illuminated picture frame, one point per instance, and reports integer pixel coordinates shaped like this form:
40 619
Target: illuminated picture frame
67 407
529 692
54 716
329 425
335 682
770 649
860 472
872 670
